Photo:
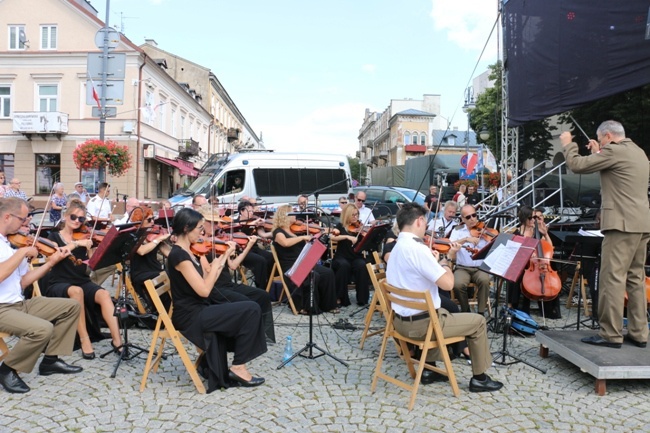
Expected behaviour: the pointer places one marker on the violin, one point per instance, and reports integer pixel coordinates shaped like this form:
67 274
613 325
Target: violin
443 245
540 281
44 246
300 228
482 232
84 233
155 232
203 247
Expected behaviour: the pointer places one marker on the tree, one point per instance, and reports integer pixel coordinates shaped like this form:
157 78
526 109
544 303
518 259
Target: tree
357 170
534 137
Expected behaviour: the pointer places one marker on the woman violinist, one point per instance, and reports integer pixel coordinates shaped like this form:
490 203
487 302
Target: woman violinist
288 247
145 264
527 218
346 262
214 328
71 280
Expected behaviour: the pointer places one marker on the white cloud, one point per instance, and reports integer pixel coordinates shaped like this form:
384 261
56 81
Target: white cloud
331 129
466 22
369 68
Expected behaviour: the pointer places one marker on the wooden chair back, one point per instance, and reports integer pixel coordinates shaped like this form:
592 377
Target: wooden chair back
278 275
156 288
377 274
434 339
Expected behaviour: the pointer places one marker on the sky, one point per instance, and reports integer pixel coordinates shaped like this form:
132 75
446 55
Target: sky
303 72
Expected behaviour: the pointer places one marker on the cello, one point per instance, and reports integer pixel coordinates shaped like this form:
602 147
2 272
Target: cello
540 281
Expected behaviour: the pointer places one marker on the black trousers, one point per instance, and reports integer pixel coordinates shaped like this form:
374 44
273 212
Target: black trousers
224 294
344 269
260 262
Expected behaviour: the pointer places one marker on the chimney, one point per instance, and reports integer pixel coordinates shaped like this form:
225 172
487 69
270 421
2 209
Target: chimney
151 42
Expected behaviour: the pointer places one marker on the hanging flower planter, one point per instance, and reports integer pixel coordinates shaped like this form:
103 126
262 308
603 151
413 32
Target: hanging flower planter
97 154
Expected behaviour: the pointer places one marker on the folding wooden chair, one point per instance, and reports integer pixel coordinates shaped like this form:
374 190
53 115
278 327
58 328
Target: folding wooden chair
125 281
278 275
157 287
4 349
378 303
415 300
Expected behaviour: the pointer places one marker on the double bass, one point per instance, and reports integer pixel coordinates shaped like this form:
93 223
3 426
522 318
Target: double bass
540 281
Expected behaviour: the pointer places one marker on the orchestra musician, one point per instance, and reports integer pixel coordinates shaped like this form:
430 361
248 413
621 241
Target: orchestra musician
43 325
99 207
213 328
346 262
467 270
365 213
288 247
259 261
71 280
441 227
226 290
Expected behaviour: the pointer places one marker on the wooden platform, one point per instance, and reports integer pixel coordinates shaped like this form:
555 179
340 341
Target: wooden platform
628 362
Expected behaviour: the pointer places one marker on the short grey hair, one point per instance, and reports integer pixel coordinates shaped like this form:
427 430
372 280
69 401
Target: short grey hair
613 127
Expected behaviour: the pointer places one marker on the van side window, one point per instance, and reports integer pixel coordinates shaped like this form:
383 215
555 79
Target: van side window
293 181
234 182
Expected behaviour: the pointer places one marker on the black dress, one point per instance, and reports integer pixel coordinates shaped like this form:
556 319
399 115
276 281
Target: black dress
325 291
145 268
346 263
216 329
65 274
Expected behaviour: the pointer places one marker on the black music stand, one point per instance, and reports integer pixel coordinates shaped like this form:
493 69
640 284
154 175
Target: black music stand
511 271
372 239
586 244
303 267
118 246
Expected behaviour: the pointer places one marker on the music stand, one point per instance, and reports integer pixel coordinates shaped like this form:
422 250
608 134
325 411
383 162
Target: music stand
118 246
594 243
303 267
371 240
509 264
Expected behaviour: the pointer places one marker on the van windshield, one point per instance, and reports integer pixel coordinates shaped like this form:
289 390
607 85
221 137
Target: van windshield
201 184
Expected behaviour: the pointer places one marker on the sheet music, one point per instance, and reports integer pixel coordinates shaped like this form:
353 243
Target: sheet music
503 255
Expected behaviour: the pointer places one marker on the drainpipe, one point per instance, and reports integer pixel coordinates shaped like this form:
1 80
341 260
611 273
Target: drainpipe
138 145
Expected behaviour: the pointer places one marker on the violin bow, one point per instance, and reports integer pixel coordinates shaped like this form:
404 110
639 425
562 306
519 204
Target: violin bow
40 225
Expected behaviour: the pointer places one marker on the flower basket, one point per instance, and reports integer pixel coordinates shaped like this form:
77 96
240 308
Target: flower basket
93 154
465 182
494 179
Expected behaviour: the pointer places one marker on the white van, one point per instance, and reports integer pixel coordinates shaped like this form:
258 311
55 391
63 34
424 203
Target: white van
274 177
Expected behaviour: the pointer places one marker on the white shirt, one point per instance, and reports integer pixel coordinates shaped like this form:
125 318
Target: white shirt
123 220
412 267
464 257
10 289
98 209
365 215
437 223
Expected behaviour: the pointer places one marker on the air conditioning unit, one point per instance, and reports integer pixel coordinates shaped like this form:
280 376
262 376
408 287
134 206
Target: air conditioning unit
127 127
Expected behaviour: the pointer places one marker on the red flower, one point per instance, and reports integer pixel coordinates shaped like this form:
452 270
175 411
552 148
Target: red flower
95 154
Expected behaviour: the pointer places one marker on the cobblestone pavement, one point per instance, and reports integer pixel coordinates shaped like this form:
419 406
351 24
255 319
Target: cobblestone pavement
321 395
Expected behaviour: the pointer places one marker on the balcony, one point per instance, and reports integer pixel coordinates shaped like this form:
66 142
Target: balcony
415 148
383 155
233 134
41 123
188 148
375 160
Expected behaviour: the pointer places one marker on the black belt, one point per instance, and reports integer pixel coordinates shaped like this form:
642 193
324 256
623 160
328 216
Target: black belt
415 317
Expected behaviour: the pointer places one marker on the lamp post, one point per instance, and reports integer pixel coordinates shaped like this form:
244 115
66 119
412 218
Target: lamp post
484 134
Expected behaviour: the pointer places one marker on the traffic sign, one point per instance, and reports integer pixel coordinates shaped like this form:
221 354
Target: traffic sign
463 161
463 174
113 38
110 112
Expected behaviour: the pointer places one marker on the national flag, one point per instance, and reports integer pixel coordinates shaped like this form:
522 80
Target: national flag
95 95
490 162
472 160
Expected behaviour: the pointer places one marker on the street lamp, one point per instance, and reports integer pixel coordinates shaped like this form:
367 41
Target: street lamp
484 133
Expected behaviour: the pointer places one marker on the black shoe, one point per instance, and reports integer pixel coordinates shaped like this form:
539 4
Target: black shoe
429 376
487 385
597 340
88 356
58 367
255 381
637 343
12 383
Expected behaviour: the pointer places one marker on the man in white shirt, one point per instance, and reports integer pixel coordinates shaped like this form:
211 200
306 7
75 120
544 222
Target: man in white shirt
441 227
467 270
99 207
414 267
42 324
131 203
365 214
81 192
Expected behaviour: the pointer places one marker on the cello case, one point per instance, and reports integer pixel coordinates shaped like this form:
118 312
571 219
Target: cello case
522 322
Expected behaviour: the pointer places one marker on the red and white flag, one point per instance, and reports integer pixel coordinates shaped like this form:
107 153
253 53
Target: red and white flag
95 95
472 160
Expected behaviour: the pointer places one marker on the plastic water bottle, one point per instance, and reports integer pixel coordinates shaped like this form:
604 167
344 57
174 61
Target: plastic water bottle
288 350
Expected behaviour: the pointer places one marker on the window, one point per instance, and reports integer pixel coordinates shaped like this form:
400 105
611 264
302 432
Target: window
47 97
7 165
293 181
182 137
17 38
423 139
48 37
146 177
173 119
451 140
159 181
48 171
5 101
162 111
407 138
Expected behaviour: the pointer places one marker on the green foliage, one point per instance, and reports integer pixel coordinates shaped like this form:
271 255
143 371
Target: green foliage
534 137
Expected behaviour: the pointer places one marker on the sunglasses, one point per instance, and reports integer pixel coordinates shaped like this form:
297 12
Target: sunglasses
537 217
362 201
343 202
150 219
468 217
82 219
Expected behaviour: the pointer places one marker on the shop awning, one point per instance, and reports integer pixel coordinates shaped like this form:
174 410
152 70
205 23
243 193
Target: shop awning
186 168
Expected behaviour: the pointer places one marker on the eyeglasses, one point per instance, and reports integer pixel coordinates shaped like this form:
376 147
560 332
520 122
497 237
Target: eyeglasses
22 220
82 219
355 214
343 202
469 217
150 219
362 201
537 217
